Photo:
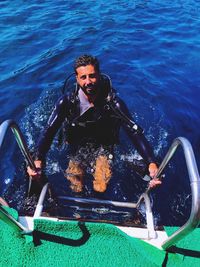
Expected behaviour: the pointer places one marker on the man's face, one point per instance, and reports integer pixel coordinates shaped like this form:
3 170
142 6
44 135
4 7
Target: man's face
88 78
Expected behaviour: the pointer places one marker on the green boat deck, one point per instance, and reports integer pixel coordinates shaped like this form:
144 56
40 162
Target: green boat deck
72 243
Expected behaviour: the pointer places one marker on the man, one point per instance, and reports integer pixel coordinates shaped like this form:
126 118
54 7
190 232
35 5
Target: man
93 115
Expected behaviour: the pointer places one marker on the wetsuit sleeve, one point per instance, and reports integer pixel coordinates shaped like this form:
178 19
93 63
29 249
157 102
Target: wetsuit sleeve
59 113
135 133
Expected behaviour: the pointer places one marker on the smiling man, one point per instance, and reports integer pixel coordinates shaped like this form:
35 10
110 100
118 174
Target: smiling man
93 116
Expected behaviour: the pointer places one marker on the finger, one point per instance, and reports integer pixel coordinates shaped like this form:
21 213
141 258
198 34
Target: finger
38 164
154 183
153 169
31 172
157 182
153 173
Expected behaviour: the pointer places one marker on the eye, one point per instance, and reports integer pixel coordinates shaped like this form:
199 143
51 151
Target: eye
92 75
83 77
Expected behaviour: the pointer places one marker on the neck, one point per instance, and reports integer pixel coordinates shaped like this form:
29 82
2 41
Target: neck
91 99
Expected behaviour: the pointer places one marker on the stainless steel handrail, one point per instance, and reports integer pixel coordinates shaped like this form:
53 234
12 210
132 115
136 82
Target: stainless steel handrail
194 218
4 127
7 218
10 124
39 207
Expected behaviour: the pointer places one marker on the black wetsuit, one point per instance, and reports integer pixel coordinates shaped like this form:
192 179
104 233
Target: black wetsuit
99 125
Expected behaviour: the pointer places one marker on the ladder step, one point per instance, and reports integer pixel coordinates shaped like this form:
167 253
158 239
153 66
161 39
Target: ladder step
99 201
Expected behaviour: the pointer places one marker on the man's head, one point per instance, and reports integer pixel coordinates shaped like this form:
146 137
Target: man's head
87 74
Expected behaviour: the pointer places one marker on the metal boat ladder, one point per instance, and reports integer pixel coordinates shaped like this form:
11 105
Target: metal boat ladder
188 227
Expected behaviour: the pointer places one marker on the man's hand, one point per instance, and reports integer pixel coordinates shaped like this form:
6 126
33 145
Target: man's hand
153 170
35 175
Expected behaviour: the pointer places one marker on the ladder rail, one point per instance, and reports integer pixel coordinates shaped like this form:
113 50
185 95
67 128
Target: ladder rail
4 127
8 219
192 169
10 124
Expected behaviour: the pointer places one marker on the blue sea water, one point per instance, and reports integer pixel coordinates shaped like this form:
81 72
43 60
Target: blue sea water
150 49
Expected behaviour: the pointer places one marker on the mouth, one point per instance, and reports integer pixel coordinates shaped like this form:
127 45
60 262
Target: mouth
90 86
90 89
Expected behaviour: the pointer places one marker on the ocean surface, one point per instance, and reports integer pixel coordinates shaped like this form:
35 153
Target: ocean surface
150 49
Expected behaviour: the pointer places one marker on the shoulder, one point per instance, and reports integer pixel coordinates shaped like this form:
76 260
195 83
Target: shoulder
62 105
118 101
64 101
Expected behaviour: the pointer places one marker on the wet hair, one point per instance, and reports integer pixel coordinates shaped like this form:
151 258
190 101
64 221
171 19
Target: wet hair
86 60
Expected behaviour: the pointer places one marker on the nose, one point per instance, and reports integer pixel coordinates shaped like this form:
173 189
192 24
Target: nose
87 80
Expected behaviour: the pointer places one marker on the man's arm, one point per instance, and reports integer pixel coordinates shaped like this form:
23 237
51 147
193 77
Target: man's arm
137 137
55 121
59 113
